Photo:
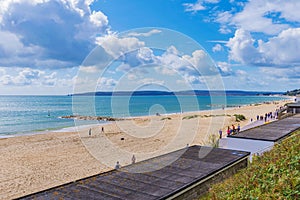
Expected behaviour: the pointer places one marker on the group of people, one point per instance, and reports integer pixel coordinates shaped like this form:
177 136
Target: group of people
231 131
90 131
267 116
234 130
133 160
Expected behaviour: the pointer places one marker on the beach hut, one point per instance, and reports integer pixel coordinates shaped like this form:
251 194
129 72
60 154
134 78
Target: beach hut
293 107
297 100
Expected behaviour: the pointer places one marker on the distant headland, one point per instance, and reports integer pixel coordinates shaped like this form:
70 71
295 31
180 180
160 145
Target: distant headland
186 92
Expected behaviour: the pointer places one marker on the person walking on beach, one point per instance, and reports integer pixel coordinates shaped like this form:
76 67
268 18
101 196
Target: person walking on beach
118 166
220 133
90 132
133 159
238 128
102 129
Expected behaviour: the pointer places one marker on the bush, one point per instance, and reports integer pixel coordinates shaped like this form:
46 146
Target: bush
239 117
190 117
166 118
214 140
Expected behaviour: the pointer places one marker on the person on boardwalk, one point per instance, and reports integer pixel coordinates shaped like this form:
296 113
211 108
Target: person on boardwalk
238 128
220 133
118 166
133 159
90 132
233 129
228 131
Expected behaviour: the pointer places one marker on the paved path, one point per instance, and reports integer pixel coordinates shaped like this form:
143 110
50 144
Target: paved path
255 124
272 131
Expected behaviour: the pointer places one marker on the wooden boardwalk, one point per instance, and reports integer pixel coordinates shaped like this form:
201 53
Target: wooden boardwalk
272 132
188 167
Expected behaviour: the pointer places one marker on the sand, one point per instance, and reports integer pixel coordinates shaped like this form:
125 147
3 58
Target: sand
36 162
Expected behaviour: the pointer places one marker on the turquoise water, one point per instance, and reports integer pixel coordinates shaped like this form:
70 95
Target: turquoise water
26 114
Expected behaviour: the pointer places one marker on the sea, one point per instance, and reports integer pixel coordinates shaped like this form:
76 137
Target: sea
37 114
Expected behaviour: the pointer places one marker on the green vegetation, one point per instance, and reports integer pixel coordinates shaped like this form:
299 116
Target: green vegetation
239 117
293 92
191 116
205 116
214 140
275 175
223 115
166 118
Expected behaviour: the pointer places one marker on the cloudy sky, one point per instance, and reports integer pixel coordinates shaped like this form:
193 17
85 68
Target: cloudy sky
44 44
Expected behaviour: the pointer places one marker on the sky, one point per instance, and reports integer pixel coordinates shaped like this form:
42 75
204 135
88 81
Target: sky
63 46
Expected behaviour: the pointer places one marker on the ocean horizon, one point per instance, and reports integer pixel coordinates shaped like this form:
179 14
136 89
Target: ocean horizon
35 114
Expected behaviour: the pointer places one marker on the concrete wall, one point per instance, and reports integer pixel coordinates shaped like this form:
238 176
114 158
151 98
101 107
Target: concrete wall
200 190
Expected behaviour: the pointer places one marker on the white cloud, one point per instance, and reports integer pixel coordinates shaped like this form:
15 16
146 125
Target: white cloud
6 80
147 34
171 59
99 19
25 77
131 76
202 63
165 70
119 46
2 71
50 80
242 48
124 67
281 50
224 29
225 68
11 46
191 67
268 16
29 77
194 7
105 82
241 73
198 5
192 79
44 33
224 18
212 1
145 55
217 48
151 81
89 69
281 73
252 19
289 10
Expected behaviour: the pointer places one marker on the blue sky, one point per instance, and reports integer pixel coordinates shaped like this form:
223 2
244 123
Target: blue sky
46 45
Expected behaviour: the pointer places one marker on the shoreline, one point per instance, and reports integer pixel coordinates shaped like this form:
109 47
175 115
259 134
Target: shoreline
73 128
31 163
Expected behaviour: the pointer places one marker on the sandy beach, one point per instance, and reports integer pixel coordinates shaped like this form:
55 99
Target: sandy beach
36 162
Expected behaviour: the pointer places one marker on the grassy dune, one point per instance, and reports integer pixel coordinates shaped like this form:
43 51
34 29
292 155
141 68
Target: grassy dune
275 175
